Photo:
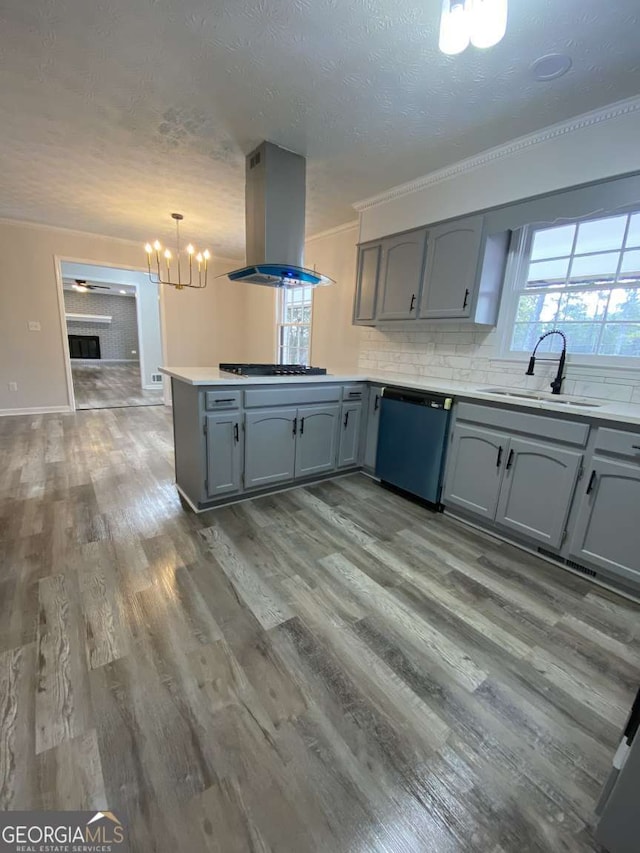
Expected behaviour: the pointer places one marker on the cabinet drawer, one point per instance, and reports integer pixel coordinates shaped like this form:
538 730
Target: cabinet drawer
560 429
619 442
280 396
353 392
221 399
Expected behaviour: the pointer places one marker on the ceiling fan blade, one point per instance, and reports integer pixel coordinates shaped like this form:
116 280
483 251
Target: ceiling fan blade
98 286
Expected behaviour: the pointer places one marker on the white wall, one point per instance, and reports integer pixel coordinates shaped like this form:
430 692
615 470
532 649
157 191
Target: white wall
334 340
200 327
597 145
149 336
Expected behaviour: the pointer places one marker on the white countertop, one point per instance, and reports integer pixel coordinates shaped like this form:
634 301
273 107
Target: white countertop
624 413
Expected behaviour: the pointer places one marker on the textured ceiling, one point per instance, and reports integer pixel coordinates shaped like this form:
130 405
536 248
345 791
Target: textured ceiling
115 112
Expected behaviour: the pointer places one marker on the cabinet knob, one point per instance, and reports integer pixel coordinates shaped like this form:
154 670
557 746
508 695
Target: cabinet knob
510 459
346 419
499 459
413 302
466 298
592 480
295 426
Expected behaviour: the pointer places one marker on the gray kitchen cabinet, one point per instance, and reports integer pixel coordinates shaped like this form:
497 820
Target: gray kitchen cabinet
606 530
537 489
475 469
403 258
373 423
349 448
317 440
364 308
224 454
452 269
270 446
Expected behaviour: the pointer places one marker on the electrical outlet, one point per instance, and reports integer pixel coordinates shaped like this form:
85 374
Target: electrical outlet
13 386
34 325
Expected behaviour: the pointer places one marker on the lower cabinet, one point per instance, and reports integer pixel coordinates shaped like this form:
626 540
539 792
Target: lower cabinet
475 469
521 484
606 529
537 489
349 450
270 446
317 441
224 454
373 423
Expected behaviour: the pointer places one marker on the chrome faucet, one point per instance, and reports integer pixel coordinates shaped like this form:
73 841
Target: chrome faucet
556 384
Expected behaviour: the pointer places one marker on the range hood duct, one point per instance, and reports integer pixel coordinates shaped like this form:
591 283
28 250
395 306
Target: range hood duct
274 210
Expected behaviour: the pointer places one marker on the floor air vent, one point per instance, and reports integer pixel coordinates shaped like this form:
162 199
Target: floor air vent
569 563
582 569
156 377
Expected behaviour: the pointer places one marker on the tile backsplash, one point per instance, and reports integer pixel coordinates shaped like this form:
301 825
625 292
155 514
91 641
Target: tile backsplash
466 353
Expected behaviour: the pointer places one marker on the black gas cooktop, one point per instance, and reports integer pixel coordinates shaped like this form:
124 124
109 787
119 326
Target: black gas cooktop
272 370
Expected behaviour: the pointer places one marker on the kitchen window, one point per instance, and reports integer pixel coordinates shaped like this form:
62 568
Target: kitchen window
583 278
294 327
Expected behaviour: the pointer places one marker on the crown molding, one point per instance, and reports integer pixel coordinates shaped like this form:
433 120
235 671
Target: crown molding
331 232
500 152
43 226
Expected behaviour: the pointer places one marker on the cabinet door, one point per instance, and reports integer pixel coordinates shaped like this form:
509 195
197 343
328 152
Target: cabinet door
475 469
402 270
349 451
452 269
606 532
537 489
364 310
373 423
224 454
270 446
317 443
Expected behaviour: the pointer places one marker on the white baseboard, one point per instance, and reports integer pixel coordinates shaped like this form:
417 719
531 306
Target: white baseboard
37 410
105 361
157 386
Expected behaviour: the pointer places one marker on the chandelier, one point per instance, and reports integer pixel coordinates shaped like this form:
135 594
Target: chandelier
160 270
481 22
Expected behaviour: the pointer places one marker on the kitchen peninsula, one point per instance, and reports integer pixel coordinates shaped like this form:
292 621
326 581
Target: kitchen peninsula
553 474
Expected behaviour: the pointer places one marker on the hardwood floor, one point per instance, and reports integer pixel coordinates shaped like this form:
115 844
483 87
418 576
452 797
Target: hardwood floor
331 669
110 386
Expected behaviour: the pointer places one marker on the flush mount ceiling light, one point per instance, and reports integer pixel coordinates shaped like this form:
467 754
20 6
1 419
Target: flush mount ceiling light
162 273
482 23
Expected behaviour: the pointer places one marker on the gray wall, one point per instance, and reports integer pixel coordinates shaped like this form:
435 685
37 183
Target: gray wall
119 339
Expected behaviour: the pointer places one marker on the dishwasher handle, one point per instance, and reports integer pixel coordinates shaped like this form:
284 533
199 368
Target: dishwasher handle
417 398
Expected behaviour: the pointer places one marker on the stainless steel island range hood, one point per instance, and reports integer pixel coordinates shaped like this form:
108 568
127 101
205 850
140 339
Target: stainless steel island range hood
274 209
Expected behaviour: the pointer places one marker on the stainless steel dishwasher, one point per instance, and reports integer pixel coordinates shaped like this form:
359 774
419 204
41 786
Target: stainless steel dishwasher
411 442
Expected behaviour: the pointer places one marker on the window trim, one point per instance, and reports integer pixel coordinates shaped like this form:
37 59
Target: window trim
280 325
516 270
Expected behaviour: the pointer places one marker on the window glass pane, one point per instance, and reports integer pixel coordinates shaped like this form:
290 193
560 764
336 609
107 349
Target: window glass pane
525 335
601 235
536 307
543 273
589 305
624 305
552 242
581 337
633 235
621 339
631 265
593 268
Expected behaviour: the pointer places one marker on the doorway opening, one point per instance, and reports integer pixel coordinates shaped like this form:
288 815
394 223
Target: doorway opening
114 336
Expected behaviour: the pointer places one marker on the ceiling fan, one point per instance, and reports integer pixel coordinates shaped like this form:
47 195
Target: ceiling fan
82 286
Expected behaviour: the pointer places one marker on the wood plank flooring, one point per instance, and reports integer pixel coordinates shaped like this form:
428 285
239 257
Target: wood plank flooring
331 669
110 386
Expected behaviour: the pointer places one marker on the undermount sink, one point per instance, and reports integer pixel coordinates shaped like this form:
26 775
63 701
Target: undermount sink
544 397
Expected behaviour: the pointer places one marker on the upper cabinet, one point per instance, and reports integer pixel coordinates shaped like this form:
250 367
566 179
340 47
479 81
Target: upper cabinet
452 271
364 309
402 265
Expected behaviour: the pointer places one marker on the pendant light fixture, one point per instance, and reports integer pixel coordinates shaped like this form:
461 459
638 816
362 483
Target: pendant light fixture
482 23
160 271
